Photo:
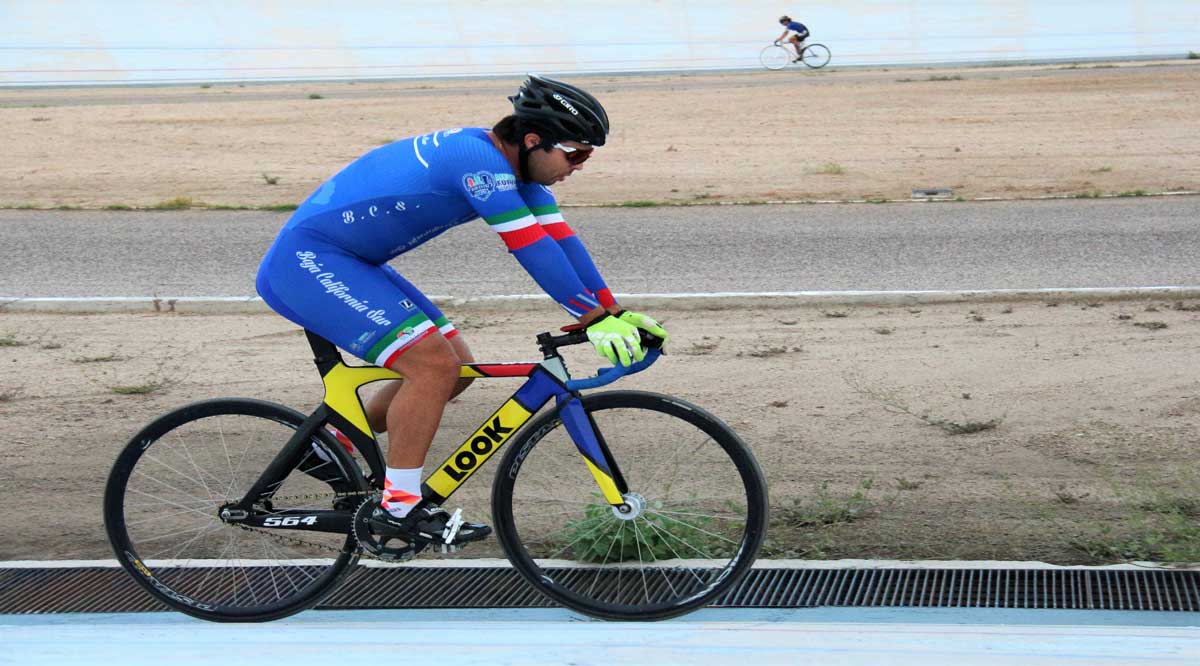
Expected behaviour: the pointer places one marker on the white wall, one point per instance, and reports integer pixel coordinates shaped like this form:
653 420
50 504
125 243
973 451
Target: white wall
123 41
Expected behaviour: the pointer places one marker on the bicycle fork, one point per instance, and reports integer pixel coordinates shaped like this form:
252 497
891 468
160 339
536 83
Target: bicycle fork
590 442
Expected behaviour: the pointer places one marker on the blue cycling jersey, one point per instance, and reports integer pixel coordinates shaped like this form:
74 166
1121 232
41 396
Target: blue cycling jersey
333 250
796 26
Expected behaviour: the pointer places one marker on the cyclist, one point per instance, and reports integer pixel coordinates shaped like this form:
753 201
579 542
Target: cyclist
327 269
799 34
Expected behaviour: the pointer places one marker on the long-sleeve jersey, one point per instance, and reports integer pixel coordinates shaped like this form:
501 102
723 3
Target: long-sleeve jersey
405 193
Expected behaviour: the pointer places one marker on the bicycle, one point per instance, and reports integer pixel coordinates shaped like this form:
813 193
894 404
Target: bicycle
777 56
212 520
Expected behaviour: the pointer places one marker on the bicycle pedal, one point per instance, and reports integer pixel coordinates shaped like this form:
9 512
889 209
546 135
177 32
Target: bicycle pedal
448 549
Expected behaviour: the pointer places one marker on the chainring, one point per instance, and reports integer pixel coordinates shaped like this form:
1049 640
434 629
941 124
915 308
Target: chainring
381 547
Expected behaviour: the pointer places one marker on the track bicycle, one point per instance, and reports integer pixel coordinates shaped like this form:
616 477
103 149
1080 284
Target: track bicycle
624 505
777 56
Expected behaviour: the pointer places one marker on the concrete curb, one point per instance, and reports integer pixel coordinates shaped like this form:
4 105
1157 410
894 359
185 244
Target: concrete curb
221 305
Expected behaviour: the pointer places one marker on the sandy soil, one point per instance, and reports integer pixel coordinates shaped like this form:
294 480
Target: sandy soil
1096 409
1092 458
790 135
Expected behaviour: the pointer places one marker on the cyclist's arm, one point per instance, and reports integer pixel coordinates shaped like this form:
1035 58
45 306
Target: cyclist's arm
506 213
545 208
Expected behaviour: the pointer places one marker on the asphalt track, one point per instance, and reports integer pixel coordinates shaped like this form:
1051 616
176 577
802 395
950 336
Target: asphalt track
1048 244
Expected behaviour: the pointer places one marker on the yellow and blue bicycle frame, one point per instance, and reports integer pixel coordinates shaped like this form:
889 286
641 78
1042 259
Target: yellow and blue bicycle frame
343 409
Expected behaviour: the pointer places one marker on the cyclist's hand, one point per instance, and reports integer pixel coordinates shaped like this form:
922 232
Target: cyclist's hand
615 339
647 324
777 42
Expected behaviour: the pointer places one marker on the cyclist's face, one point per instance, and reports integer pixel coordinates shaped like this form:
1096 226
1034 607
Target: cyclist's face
564 159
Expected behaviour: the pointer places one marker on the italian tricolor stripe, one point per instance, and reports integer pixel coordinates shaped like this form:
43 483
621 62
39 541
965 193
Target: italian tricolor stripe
518 228
400 338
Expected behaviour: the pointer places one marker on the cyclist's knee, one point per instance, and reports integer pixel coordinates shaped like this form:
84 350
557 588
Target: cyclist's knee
464 356
431 364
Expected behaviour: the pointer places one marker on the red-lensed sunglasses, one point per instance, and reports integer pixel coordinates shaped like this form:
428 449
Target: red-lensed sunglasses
575 155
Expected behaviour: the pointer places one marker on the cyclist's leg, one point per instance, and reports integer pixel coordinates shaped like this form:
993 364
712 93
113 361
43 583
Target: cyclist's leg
363 309
798 43
377 404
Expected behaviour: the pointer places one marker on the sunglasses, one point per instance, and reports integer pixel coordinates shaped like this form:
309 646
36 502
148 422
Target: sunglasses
575 155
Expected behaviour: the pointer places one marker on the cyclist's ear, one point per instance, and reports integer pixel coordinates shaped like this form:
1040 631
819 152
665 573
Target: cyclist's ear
532 140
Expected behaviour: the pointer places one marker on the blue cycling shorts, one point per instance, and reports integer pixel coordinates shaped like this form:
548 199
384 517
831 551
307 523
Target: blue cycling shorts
366 309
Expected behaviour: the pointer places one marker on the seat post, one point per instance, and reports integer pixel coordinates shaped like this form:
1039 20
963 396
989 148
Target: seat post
325 353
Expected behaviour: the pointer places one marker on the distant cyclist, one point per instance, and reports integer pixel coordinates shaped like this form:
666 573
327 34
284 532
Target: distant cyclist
798 31
327 270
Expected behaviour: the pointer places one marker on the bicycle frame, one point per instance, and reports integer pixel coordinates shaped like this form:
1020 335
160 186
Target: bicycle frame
548 379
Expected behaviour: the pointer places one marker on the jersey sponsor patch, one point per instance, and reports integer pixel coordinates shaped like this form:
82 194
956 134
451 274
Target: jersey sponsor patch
505 182
480 184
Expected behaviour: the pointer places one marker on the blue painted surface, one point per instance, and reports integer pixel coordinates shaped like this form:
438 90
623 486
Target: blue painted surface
711 636
87 41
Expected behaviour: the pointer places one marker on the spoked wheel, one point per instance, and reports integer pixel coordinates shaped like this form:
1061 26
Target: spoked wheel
775 57
815 56
168 491
697 500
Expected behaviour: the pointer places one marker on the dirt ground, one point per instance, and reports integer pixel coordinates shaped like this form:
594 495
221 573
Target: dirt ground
1089 411
1095 408
766 136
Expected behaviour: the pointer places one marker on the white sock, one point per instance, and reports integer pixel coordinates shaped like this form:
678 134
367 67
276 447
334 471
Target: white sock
401 490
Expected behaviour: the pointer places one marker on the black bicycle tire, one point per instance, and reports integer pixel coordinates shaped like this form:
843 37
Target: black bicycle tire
828 55
740 454
114 518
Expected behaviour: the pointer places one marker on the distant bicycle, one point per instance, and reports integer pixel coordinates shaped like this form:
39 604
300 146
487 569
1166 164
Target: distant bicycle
777 56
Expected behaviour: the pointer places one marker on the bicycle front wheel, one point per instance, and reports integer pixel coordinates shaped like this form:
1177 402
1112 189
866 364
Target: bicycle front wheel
815 56
168 489
698 499
775 57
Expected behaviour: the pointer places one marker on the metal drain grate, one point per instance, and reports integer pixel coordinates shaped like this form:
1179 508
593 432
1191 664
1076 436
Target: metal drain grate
111 590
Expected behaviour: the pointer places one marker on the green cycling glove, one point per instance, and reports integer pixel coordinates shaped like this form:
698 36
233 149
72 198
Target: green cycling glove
647 324
616 339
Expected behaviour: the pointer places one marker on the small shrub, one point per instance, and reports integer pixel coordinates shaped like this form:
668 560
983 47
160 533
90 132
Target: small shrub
7 340
1185 307
1151 325
178 203
315 96
271 180
602 537
826 508
836 314
638 203
1192 55
954 77
830 169
904 484
884 330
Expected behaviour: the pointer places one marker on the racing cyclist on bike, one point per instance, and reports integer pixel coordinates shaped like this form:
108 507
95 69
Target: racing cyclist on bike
799 34
327 270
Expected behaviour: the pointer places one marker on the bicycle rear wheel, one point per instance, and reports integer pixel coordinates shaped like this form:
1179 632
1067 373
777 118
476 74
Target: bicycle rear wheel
775 57
164 497
700 509
815 56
